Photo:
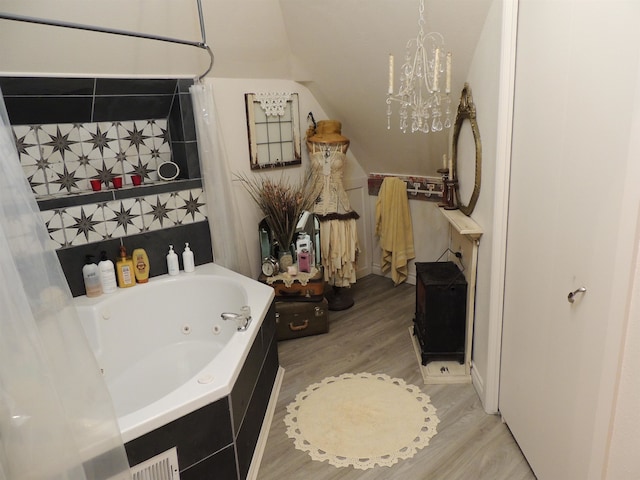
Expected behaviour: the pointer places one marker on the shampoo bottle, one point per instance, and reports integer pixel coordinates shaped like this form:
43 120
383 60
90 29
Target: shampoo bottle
141 264
91 276
187 259
125 270
107 274
172 262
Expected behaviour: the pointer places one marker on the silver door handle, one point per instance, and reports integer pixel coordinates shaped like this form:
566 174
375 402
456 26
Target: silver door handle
571 296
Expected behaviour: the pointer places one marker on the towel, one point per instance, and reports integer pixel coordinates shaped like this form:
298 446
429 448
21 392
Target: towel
393 226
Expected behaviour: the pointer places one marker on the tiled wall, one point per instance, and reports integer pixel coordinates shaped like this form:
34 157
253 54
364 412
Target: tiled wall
60 159
71 130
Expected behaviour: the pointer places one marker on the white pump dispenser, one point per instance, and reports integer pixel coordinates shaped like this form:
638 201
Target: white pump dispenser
187 259
172 262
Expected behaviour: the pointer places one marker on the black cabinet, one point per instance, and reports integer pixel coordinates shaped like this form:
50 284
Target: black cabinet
441 311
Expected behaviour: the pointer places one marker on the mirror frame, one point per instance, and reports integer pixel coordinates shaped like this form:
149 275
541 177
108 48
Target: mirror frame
467 111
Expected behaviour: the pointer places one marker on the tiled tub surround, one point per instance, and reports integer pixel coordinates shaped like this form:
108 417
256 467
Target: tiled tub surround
75 225
69 130
60 159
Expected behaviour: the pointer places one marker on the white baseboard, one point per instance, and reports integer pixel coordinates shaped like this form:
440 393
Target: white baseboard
377 270
266 426
478 384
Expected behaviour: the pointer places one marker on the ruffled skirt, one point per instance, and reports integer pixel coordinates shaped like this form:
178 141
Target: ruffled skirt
339 251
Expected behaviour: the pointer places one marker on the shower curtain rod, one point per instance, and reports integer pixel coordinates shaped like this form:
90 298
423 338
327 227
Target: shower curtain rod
91 28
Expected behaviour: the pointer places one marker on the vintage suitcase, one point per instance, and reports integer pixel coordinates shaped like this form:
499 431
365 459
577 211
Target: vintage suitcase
311 291
301 319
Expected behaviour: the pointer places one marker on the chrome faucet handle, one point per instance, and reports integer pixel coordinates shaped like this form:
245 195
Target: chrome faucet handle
242 321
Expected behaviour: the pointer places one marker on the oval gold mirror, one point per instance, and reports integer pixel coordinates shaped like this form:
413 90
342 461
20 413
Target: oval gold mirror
467 111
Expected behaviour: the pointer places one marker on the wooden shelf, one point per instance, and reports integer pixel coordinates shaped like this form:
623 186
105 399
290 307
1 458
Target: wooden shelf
463 225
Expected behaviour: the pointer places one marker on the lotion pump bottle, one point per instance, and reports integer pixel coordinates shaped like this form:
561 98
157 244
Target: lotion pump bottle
91 276
107 274
125 269
187 259
172 262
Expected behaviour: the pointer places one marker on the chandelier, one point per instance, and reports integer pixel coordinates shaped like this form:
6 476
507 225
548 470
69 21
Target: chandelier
425 83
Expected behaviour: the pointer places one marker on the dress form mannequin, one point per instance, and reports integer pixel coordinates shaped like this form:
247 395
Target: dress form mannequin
338 236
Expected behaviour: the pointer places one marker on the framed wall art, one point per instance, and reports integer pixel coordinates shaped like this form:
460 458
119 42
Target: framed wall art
273 125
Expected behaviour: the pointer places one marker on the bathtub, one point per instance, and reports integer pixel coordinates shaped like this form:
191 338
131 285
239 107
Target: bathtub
163 348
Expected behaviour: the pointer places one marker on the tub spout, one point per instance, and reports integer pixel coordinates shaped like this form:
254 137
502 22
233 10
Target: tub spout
242 319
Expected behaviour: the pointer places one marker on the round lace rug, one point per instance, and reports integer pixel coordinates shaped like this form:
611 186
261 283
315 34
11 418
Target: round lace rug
363 420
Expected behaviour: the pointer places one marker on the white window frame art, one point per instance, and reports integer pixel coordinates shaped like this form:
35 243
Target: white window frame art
273 125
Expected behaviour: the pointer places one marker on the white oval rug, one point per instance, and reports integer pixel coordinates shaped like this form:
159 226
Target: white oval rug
364 420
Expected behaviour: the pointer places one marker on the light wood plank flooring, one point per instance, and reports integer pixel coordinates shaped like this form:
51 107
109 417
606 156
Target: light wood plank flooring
373 336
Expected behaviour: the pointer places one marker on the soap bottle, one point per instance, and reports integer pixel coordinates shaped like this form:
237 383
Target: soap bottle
141 264
125 269
172 262
107 274
187 259
91 276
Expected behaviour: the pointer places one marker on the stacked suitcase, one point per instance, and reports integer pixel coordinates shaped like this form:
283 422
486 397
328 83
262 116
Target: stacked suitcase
301 310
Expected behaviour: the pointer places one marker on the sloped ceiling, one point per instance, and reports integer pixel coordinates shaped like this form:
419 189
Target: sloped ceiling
339 49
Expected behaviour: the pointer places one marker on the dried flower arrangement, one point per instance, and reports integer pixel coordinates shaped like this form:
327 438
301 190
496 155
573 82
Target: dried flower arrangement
282 202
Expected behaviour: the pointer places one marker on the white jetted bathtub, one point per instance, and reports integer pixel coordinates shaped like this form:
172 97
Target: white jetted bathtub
164 349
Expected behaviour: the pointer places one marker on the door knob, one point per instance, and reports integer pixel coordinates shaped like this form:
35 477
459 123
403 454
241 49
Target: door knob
571 296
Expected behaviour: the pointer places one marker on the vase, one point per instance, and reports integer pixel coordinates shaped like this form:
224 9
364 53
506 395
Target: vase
285 260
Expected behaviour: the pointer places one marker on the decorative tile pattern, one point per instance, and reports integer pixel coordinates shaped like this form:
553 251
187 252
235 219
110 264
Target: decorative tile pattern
60 159
159 211
190 206
83 224
122 218
53 222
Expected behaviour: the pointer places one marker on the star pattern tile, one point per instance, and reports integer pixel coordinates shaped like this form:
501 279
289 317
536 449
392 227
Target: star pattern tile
69 155
59 159
120 218
66 179
190 206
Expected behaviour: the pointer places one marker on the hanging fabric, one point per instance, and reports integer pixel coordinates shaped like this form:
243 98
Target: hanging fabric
394 228
227 238
56 416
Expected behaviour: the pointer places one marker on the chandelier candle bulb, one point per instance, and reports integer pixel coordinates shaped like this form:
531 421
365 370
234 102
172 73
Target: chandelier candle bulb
436 70
444 161
448 85
390 74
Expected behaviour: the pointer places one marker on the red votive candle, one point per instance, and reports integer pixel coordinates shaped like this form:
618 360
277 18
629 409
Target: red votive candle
96 185
136 179
117 182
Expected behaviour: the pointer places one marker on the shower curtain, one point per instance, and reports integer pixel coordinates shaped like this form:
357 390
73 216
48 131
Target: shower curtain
229 247
56 416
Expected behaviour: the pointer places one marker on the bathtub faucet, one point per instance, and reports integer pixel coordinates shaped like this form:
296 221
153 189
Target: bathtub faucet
243 319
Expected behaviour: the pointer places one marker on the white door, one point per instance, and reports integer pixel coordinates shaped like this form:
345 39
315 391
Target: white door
570 226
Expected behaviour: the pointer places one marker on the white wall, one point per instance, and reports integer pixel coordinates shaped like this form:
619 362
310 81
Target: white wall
229 98
483 79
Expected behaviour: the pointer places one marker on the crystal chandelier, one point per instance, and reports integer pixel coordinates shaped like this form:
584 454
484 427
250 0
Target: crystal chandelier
425 83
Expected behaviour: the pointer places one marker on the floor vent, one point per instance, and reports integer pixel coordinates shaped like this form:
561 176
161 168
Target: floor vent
160 467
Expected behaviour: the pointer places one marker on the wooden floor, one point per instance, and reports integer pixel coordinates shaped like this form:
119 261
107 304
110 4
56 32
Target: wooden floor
373 336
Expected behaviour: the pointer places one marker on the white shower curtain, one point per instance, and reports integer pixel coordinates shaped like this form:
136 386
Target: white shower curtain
56 416
229 247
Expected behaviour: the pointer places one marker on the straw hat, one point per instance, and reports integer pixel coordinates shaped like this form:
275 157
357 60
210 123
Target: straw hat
328 131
